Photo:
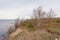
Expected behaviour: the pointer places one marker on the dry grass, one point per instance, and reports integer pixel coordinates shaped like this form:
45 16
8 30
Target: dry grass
46 31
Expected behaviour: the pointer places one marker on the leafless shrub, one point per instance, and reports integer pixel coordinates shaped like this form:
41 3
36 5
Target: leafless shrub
38 13
51 14
14 26
11 29
17 23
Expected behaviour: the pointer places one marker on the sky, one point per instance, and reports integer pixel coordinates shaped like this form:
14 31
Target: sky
11 9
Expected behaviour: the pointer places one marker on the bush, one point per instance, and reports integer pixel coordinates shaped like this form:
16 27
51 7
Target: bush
50 26
30 25
58 21
23 24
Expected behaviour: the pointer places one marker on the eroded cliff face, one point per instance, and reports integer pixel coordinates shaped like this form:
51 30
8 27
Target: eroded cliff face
15 34
40 34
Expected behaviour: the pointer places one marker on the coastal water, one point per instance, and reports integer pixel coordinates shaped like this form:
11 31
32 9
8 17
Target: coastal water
4 26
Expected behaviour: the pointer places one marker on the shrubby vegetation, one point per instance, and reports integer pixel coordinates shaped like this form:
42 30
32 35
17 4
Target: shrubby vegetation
58 21
38 14
30 26
40 20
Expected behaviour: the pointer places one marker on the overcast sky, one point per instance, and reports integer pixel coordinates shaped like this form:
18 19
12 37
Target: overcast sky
10 9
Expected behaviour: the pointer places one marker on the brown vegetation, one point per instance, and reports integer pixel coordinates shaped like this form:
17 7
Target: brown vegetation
48 26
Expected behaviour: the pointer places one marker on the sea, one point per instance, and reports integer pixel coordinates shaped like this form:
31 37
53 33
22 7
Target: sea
5 24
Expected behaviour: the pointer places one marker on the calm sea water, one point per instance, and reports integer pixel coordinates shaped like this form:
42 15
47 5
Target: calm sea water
4 26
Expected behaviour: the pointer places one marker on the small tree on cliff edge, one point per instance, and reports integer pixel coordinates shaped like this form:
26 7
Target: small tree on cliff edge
17 23
38 14
51 14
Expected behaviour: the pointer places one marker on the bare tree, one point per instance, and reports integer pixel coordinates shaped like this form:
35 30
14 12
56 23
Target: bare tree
14 26
17 23
38 14
51 14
